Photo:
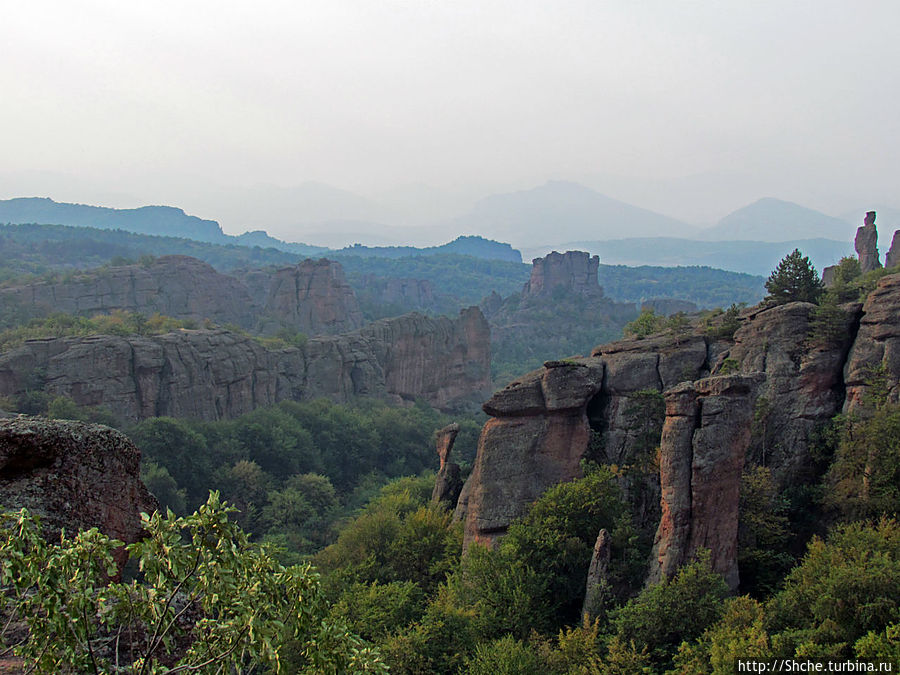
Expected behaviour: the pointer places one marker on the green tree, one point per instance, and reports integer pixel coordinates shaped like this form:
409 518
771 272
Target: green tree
207 601
664 615
795 279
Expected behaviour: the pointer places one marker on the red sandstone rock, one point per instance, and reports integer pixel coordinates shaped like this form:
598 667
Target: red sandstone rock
705 436
447 484
576 270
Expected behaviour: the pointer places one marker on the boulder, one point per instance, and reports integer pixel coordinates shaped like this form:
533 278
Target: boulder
74 476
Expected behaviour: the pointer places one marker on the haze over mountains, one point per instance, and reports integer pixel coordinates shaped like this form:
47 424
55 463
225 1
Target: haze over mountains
558 215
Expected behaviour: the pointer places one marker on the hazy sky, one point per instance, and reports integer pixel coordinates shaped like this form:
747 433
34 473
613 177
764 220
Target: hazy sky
691 108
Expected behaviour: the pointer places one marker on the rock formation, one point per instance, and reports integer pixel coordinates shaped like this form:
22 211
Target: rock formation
892 259
608 407
538 434
597 576
875 353
173 285
803 387
218 374
866 244
313 298
702 448
74 476
575 270
447 483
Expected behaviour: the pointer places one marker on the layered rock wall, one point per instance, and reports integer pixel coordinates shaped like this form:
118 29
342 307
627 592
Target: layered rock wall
173 285
218 374
313 297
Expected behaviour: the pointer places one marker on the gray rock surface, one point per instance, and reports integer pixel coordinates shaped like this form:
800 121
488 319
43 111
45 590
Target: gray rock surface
866 244
74 476
218 374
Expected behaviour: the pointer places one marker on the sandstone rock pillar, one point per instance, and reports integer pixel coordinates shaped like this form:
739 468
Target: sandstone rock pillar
704 439
597 574
866 244
892 259
447 484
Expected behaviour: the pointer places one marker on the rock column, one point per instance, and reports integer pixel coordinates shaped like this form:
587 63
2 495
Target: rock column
447 484
866 244
704 439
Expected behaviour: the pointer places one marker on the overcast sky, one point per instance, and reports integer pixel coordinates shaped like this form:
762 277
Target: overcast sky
648 101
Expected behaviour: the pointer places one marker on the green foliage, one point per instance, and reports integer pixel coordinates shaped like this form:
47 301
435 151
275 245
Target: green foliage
648 323
705 286
375 611
557 535
828 324
740 633
763 533
67 325
664 615
794 279
208 600
505 656
864 477
845 587
400 536
722 324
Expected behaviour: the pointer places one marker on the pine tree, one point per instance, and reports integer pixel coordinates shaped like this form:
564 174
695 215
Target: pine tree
794 279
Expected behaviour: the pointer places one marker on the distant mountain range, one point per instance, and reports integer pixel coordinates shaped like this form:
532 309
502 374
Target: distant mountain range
777 220
559 215
566 212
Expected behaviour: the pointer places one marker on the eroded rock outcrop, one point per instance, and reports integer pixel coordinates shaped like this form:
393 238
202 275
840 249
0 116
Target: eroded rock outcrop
313 297
575 270
875 354
804 384
537 436
866 244
74 476
447 483
701 456
216 374
597 582
172 285
892 259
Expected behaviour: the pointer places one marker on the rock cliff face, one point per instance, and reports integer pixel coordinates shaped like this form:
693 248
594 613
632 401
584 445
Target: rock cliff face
313 298
575 270
876 351
217 374
866 244
74 476
755 399
173 285
701 456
